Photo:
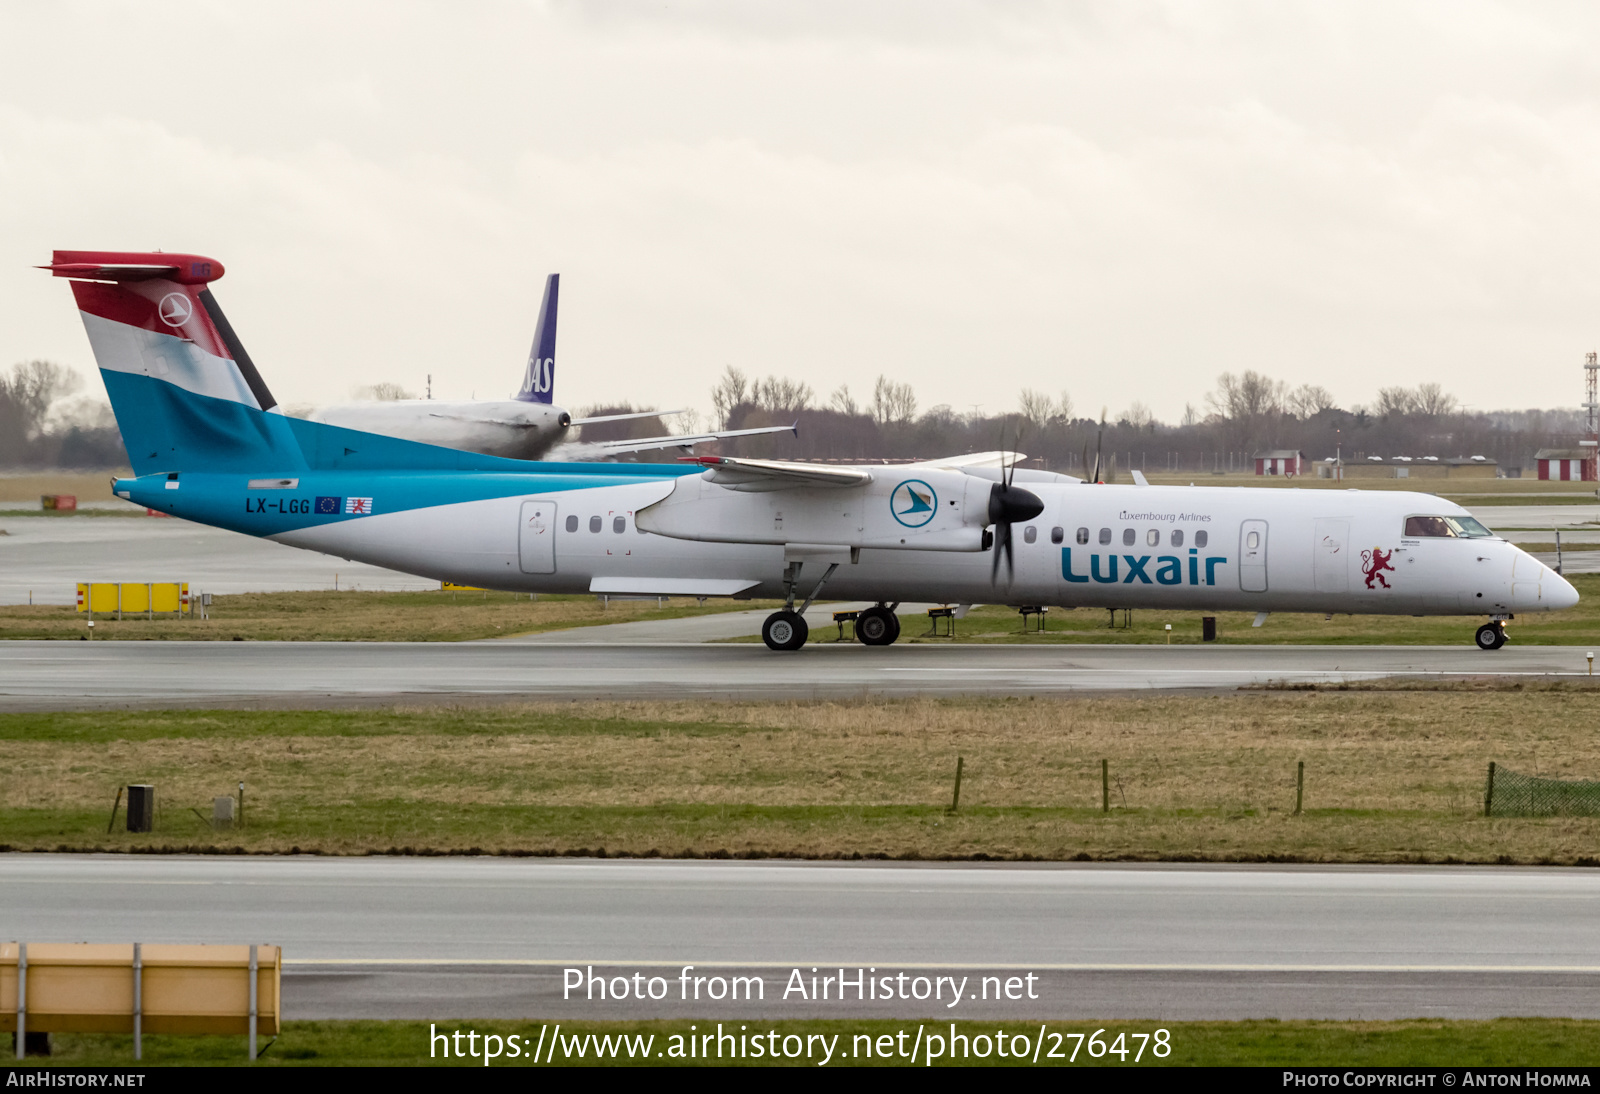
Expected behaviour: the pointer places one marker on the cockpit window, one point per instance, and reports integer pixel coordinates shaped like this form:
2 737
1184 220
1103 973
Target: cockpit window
1445 528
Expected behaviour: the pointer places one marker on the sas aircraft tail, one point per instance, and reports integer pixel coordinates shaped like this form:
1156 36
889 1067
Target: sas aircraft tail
185 392
539 379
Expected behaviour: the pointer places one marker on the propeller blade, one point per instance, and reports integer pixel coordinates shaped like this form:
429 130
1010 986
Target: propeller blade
1011 562
1000 532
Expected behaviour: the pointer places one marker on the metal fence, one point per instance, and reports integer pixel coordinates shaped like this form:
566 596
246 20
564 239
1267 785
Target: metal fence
1512 794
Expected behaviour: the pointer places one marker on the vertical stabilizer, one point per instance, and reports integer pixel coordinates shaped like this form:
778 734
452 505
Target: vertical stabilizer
185 392
539 379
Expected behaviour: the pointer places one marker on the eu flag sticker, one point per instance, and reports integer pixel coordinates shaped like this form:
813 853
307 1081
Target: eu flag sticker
328 505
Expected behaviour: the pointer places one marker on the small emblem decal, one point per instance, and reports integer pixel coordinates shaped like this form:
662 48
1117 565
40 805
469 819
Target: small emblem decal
174 309
1373 563
359 506
914 503
328 505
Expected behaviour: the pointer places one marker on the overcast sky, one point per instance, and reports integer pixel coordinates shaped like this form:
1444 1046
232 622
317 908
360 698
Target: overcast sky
1119 200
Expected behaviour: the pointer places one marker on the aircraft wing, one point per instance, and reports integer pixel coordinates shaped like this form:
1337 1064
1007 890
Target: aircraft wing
776 474
683 440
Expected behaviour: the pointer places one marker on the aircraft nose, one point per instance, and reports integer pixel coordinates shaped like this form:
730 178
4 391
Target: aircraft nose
1558 592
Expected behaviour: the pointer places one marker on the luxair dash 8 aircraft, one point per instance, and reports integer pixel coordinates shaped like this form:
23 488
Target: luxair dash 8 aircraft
208 443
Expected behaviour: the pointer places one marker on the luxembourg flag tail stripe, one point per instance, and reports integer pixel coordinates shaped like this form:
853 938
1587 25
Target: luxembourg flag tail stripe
185 392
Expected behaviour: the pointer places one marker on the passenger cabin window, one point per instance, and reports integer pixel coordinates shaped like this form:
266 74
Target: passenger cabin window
1253 540
1177 537
594 524
1445 528
1152 538
1105 535
1083 536
1057 535
1029 534
1128 535
572 522
1200 540
619 524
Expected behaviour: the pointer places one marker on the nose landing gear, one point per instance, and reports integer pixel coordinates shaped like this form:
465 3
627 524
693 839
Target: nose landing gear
1492 635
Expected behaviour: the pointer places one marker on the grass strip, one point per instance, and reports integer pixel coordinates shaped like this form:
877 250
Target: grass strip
1391 776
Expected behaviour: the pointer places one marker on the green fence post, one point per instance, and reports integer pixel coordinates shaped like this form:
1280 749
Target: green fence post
1488 793
955 802
1105 786
1299 787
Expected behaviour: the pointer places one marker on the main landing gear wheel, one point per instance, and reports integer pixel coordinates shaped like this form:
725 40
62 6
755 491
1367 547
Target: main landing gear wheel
877 627
785 630
1491 636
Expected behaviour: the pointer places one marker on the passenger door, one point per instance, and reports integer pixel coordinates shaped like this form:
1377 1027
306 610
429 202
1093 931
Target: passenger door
1330 556
1253 556
536 539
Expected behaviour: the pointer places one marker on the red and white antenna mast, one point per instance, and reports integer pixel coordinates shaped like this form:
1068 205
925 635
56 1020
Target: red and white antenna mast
1591 406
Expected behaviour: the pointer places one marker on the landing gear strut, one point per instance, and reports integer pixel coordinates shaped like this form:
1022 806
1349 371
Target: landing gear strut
877 626
787 630
1492 635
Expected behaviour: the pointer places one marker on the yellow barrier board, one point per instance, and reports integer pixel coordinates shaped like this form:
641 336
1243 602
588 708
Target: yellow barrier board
85 988
110 597
448 587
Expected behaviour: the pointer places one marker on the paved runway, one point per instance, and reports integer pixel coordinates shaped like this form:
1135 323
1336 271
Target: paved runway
491 937
90 675
47 556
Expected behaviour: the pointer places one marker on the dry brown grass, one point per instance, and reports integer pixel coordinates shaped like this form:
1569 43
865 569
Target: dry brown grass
1390 776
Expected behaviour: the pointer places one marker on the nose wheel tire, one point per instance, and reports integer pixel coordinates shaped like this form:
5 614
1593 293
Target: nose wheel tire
877 627
1491 636
785 630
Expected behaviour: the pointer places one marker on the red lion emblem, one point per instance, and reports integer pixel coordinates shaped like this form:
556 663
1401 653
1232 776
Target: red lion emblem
1373 563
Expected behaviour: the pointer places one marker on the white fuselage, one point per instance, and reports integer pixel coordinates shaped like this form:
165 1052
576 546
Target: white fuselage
1199 548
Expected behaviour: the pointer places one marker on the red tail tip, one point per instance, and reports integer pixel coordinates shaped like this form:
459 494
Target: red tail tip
185 269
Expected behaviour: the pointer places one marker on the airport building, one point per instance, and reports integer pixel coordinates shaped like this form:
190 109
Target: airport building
1566 464
1282 461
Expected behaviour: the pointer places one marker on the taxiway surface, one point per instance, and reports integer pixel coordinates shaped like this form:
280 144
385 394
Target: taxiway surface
491 938
89 675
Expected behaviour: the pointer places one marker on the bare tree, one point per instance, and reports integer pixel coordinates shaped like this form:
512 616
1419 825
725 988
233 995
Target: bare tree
730 391
1432 401
1247 397
1038 408
781 395
892 402
1309 400
842 401
1395 400
1138 415
1064 407
26 397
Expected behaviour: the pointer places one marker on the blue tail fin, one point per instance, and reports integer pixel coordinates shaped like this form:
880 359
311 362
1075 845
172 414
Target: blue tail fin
539 380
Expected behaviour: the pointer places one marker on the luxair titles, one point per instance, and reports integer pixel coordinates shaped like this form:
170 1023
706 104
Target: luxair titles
1114 567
